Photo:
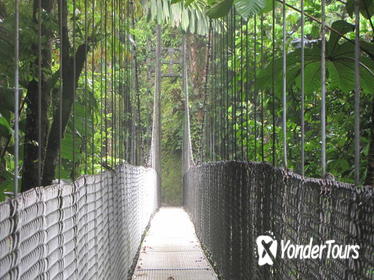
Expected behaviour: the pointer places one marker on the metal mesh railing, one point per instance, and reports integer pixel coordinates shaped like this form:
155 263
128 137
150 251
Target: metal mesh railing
231 203
88 230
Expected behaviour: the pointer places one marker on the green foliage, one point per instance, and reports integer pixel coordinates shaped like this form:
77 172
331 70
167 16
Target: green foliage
5 129
340 66
6 183
171 183
247 8
340 86
220 9
189 16
366 7
83 147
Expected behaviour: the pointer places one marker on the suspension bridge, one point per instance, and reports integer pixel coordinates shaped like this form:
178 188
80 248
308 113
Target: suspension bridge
108 223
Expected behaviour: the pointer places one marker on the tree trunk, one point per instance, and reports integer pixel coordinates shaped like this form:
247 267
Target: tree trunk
68 92
30 176
69 85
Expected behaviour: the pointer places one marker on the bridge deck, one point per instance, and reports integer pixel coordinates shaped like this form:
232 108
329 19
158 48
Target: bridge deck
171 250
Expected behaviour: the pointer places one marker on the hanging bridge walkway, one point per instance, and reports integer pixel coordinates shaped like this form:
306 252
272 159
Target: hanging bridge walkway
171 250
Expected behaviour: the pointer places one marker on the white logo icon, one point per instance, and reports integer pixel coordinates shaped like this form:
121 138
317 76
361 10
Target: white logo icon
266 249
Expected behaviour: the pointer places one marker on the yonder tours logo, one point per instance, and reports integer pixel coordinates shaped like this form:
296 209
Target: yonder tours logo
267 249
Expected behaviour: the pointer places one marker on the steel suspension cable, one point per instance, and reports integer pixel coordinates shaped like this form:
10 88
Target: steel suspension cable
128 91
214 95
241 90
302 90
273 86
40 145
284 92
212 104
120 79
16 98
323 89
105 81
60 92
203 126
221 91
357 93
247 88
102 112
234 88
93 94
85 98
132 128
117 78
112 80
111 15
262 92
227 135
119 93
255 83
74 86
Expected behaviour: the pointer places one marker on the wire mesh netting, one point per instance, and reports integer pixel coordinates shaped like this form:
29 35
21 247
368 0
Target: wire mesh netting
87 230
232 203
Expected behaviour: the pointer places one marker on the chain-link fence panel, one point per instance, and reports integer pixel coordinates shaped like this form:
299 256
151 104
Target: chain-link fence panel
232 203
90 229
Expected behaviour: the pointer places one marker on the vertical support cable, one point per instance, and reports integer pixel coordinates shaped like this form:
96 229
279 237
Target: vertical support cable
357 93
214 97
93 94
273 85
302 90
120 79
138 131
247 87
105 81
101 92
241 92
113 78
221 91
60 92
86 100
284 92
102 113
234 88
212 100
227 134
323 89
127 101
203 129
262 92
255 81
74 86
40 93
156 107
16 101
113 84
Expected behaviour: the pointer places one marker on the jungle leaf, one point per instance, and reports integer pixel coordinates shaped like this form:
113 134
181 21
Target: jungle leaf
5 128
220 9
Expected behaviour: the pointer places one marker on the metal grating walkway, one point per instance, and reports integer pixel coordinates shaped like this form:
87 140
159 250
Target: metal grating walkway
171 250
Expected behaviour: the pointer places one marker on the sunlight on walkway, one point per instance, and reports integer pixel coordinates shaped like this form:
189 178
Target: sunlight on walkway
171 250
